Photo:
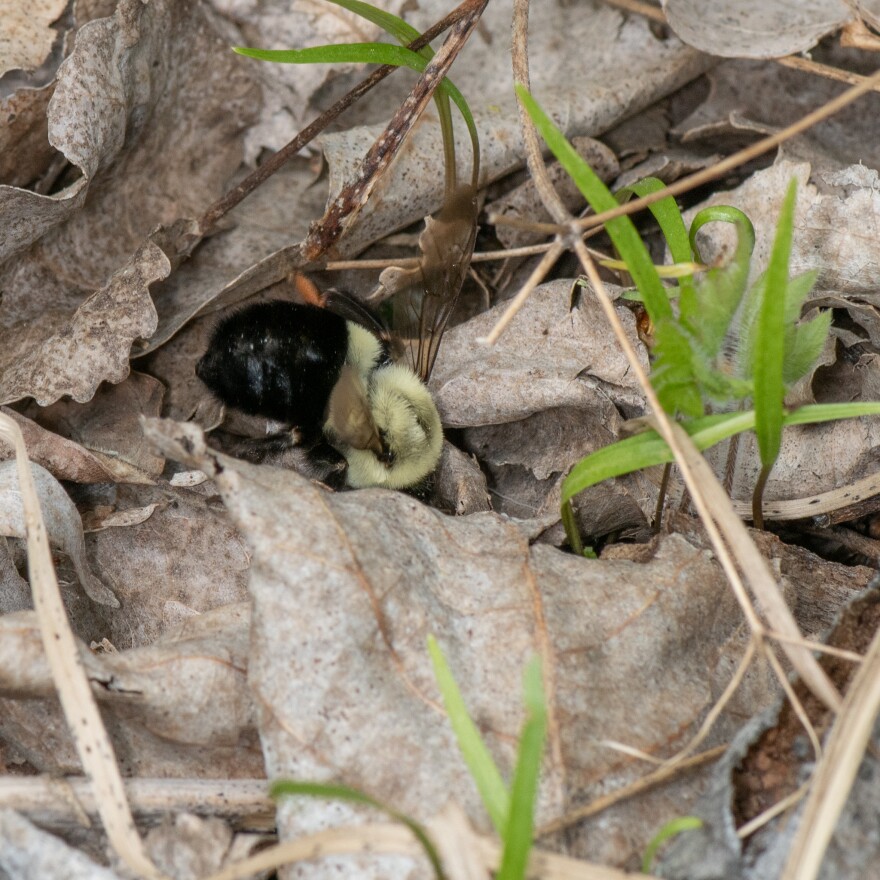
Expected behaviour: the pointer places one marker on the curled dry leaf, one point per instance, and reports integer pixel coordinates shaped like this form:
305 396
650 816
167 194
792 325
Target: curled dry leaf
550 356
73 353
109 426
755 28
64 459
98 119
63 524
25 151
125 115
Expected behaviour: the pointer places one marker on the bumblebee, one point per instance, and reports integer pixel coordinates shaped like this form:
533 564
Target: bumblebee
331 378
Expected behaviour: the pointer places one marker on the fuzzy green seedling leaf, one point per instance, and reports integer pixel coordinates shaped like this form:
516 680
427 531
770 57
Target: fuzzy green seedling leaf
670 829
720 292
805 347
686 370
621 230
288 788
673 373
769 346
518 834
483 769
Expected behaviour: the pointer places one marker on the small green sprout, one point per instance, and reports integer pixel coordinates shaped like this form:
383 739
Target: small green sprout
725 345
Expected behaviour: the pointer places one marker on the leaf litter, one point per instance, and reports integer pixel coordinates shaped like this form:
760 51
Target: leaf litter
270 626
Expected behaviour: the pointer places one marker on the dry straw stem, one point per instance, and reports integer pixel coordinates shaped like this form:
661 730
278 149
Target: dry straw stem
62 803
841 505
389 839
716 512
780 806
719 512
74 692
836 771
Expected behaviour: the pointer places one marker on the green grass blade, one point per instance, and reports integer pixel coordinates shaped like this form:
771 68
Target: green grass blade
357 53
769 346
524 787
649 449
668 217
622 231
817 413
391 24
288 788
342 53
479 762
370 53
670 829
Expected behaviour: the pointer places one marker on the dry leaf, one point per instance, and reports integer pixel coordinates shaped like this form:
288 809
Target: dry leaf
66 353
109 424
548 357
371 573
63 458
26 38
755 28
172 708
183 561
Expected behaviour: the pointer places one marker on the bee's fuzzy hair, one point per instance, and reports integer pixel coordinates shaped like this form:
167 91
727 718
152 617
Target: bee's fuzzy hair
408 420
364 350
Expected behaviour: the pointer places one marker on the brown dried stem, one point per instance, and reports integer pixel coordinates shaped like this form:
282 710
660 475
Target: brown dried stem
345 207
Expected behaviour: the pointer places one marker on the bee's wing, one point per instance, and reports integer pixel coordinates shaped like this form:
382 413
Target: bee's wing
425 308
352 309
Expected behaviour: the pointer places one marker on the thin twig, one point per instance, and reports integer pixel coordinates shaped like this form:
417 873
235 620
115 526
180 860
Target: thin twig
229 200
723 167
78 703
645 783
347 204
